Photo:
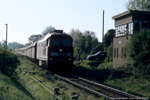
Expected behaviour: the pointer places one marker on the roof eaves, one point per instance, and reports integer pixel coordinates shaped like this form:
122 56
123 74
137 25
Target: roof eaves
122 14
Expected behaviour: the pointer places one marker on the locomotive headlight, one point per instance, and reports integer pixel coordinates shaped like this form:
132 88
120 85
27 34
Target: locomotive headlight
70 59
51 59
60 50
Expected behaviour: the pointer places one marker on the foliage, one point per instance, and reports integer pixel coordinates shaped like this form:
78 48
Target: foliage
3 44
110 52
14 45
34 38
84 41
98 48
90 40
48 29
139 52
107 65
138 86
8 62
48 79
94 64
108 39
88 43
141 5
99 71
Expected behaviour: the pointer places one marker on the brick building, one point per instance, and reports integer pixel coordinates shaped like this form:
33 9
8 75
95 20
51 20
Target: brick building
126 24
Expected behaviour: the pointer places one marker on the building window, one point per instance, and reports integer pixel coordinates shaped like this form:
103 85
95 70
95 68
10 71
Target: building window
124 29
125 50
122 52
114 52
131 28
117 52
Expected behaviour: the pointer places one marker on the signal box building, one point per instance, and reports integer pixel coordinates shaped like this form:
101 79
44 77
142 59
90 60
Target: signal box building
126 24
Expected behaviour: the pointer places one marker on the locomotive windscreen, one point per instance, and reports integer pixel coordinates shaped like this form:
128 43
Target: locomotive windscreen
55 42
66 43
61 42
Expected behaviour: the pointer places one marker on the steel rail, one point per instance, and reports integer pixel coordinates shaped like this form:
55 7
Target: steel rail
109 88
85 88
44 87
126 96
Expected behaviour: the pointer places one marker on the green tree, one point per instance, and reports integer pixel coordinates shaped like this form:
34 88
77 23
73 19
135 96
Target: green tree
139 52
34 38
98 47
48 29
90 41
141 5
108 39
8 62
110 52
76 35
78 41
85 41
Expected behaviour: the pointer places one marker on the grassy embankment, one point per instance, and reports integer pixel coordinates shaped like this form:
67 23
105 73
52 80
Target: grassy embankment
119 79
49 80
12 90
28 89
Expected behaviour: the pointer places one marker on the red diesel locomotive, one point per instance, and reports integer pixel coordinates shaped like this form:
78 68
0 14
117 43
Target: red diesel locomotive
54 51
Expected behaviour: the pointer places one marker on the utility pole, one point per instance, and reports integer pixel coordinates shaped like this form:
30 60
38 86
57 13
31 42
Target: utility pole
6 33
103 29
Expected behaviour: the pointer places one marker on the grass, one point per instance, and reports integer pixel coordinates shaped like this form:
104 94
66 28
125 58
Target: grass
49 80
12 90
94 65
38 92
138 86
104 72
95 70
28 89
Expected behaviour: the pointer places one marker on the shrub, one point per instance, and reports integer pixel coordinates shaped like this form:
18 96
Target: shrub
139 52
110 52
8 62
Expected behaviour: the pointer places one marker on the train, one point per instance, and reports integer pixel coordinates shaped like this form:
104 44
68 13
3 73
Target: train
54 51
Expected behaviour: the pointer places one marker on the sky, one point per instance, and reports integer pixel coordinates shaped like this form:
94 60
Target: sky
28 17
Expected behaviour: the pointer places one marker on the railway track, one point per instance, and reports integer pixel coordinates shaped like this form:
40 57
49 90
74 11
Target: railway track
99 90
42 85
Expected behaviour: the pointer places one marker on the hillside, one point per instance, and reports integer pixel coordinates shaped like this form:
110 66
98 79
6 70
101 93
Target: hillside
12 90
14 45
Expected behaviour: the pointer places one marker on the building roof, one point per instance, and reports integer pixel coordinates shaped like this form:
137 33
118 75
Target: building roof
131 12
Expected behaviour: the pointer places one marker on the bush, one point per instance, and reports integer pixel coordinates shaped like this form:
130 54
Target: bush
139 52
8 62
110 52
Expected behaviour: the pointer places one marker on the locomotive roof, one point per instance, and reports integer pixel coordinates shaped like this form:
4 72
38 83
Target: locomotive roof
44 38
48 35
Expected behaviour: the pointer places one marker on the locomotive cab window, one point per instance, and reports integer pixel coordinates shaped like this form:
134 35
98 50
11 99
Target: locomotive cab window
66 42
55 42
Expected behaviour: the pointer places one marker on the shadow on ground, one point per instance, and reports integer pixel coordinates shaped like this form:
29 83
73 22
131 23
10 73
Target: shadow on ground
98 75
